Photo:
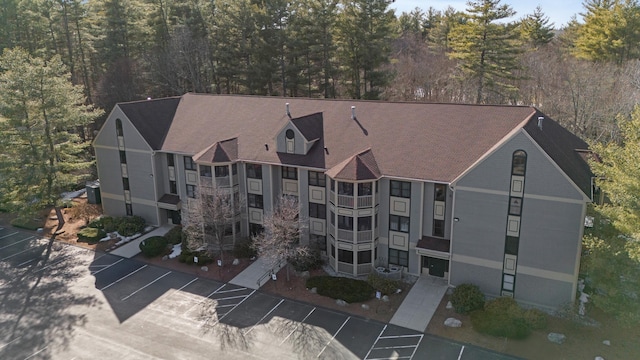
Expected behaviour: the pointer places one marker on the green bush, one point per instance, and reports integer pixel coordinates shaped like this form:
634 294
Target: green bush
384 285
188 258
349 290
244 249
503 317
28 224
106 223
153 246
467 298
174 236
91 235
131 225
310 261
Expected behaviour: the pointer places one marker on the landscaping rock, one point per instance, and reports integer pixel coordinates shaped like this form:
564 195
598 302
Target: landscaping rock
449 305
165 258
341 302
453 322
305 274
599 358
314 290
365 306
235 262
607 342
385 298
204 268
556 338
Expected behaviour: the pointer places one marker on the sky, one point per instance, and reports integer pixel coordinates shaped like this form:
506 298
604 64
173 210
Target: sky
559 12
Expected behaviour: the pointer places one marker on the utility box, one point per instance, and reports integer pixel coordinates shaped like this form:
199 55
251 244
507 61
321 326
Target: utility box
93 192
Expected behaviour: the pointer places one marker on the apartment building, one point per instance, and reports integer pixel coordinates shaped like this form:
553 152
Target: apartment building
490 195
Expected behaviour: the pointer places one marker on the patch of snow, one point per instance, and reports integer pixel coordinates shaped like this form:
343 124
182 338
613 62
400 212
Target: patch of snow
123 239
68 196
175 251
148 228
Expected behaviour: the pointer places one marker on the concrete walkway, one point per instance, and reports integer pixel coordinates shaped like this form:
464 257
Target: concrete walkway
258 270
421 303
132 248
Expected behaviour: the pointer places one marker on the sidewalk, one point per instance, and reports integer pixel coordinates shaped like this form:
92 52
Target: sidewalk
421 303
256 271
132 248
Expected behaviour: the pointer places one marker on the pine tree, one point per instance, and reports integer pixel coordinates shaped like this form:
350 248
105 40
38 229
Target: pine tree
40 114
486 51
535 29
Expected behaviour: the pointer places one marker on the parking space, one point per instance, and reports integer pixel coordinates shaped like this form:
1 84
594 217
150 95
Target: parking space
140 311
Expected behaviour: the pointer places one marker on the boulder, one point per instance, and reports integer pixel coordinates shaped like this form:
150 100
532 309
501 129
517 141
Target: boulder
341 302
449 305
556 338
599 358
365 307
314 290
607 342
453 322
235 262
304 274
204 268
385 298
166 257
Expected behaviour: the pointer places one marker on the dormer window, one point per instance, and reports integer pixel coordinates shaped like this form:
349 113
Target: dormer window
290 140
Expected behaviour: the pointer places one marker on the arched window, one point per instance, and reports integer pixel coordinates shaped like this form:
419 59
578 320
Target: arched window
519 162
119 127
290 141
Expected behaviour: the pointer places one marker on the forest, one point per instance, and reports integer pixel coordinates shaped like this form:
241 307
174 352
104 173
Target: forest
582 75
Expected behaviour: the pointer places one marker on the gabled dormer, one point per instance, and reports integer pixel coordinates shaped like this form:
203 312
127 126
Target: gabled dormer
300 134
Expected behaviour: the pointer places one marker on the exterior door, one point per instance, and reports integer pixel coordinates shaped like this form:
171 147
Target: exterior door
436 267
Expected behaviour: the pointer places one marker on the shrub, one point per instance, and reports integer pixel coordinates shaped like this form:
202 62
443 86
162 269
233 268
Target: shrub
29 224
153 246
244 250
310 261
90 235
174 236
131 225
467 298
188 258
382 284
505 318
106 223
349 290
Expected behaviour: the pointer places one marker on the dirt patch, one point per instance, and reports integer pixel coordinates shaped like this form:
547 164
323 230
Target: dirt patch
583 341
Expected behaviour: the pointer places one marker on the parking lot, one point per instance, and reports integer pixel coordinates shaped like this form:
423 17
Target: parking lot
58 301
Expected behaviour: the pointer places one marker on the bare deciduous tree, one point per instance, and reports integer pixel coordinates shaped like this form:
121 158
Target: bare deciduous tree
209 219
282 230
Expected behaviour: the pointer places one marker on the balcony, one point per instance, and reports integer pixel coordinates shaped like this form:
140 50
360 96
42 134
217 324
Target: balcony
223 181
362 236
348 201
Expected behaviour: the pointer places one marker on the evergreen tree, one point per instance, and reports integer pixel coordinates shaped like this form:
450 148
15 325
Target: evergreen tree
487 51
535 29
364 33
40 114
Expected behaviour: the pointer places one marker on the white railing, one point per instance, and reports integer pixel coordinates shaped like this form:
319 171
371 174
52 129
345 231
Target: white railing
345 235
345 268
206 181
345 201
222 181
365 201
365 236
364 269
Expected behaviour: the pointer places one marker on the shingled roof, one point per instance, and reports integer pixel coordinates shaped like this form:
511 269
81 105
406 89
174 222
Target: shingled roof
222 151
433 142
361 166
152 118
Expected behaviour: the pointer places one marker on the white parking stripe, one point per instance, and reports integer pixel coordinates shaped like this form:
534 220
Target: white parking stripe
222 317
264 317
333 337
394 347
375 342
232 290
36 353
10 342
122 278
23 240
6 236
203 300
16 254
26 262
400 336
394 358
230 297
299 324
105 266
460 355
414 350
144 287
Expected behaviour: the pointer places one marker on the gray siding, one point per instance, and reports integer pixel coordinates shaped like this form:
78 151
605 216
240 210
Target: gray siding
554 294
488 279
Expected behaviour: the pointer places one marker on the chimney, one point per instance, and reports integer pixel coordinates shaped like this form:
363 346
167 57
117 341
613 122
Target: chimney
540 120
288 111
353 112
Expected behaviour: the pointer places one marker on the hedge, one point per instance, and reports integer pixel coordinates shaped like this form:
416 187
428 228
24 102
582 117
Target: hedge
91 235
349 290
153 246
467 298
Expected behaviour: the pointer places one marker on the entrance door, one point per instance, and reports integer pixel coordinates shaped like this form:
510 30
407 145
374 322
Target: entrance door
174 217
436 267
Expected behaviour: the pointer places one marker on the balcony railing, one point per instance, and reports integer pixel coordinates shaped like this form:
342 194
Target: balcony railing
349 201
223 181
365 236
365 201
364 269
345 268
345 201
345 235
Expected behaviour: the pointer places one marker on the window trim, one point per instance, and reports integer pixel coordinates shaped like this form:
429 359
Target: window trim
289 172
399 188
255 201
317 178
518 168
189 164
398 258
203 170
319 211
399 222
254 171
342 255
